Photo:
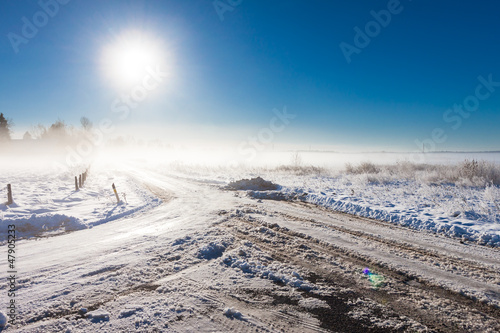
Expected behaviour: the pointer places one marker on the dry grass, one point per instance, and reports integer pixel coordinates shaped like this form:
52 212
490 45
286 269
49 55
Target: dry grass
362 168
301 170
467 173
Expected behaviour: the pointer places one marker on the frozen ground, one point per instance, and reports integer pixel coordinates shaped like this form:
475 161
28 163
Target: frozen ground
187 254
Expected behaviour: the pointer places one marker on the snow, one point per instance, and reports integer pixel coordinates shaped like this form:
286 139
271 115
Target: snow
98 315
259 266
211 251
130 310
46 203
207 260
466 213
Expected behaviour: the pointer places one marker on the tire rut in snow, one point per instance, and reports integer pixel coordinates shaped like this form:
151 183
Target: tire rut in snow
475 272
400 282
164 195
340 302
77 313
192 251
472 269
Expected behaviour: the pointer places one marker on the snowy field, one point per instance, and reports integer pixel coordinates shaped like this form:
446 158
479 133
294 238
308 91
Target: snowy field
188 250
46 203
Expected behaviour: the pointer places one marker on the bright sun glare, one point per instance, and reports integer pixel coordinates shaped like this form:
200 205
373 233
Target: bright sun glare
127 58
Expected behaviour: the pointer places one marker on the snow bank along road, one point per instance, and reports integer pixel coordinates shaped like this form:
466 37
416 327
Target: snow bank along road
209 260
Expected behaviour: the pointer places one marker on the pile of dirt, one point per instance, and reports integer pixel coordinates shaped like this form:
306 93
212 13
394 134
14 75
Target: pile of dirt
254 184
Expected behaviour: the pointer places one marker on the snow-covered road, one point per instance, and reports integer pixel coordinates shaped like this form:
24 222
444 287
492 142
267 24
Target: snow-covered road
208 259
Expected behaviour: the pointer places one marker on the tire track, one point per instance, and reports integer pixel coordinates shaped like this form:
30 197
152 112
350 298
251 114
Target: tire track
432 265
469 268
400 284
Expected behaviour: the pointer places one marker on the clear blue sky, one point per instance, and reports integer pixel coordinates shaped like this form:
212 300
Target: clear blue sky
267 54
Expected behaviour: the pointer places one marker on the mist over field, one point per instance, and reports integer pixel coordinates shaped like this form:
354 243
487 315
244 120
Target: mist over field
70 146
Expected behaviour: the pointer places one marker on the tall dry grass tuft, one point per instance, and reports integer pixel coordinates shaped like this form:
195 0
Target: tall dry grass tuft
362 168
479 172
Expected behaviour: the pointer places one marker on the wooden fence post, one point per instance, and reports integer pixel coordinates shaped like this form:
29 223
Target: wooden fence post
80 181
9 195
76 184
116 194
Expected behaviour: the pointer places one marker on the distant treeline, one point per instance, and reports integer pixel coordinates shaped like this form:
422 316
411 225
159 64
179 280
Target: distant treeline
60 133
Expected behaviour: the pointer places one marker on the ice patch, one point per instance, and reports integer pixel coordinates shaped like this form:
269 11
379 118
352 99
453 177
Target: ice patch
180 241
313 303
275 272
232 313
129 311
98 315
211 251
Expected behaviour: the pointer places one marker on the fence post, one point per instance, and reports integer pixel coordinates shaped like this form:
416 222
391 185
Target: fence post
9 195
76 184
80 181
116 194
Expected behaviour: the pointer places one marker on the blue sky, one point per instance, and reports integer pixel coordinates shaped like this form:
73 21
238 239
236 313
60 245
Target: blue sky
228 75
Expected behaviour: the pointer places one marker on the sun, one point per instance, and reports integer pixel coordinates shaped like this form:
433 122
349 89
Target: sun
126 60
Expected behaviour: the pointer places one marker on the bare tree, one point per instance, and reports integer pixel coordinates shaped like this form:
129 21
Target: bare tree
38 131
296 159
86 123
